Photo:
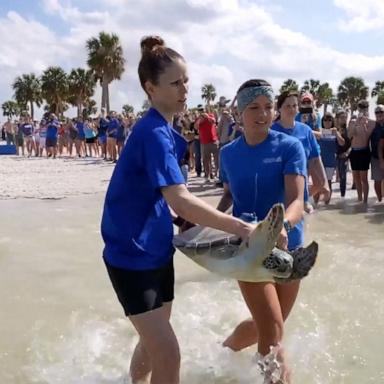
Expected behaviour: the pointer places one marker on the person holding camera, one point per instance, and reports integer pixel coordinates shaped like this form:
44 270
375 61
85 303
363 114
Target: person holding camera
308 115
359 131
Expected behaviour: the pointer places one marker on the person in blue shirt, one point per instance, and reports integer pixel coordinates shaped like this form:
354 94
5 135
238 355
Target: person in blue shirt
28 130
308 115
261 168
112 132
137 226
329 140
102 132
80 138
287 105
51 136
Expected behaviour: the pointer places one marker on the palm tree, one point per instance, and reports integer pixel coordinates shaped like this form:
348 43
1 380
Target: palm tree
127 109
81 86
377 89
380 98
324 96
105 58
289 85
54 86
208 93
90 108
27 89
350 91
11 108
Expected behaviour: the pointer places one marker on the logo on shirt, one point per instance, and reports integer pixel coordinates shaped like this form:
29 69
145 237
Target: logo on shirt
270 160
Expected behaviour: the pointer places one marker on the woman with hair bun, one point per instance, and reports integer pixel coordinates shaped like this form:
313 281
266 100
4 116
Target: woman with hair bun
137 225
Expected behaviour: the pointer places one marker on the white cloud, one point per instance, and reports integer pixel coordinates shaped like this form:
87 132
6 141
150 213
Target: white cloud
361 16
224 42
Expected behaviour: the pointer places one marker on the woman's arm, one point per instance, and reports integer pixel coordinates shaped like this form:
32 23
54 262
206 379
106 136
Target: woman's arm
195 210
339 138
294 198
226 199
319 178
294 202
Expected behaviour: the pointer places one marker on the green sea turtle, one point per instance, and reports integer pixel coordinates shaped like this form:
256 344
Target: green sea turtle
257 261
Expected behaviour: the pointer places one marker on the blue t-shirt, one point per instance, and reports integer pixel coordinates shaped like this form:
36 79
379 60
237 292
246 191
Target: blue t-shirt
80 130
120 131
314 124
374 139
304 133
89 133
52 128
113 127
328 146
27 129
255 175
137 225
103 125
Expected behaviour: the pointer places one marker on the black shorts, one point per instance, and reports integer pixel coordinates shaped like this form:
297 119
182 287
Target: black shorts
144 290
360 159
50 142
91 140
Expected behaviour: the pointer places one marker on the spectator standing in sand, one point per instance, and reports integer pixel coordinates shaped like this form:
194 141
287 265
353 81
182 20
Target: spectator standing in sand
19 137
359 131
9 129
377 174
329 140
209 140
308 114
342 152
51 138
112 132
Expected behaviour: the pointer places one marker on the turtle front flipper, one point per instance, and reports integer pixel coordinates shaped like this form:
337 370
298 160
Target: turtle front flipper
303 260
264 237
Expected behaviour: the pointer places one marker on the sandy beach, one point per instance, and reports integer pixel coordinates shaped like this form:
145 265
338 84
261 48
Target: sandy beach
61 323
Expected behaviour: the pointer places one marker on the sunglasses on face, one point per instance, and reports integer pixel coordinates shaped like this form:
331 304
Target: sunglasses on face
328 119
379 112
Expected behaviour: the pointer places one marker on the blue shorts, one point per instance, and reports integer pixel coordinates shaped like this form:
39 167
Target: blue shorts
103 139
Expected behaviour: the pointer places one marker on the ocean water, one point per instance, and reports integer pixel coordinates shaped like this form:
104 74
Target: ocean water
61 323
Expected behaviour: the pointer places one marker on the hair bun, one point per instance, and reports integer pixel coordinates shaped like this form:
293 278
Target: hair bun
150 43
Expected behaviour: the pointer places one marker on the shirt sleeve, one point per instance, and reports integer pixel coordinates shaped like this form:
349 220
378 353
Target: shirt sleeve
295 161
314 148
161 160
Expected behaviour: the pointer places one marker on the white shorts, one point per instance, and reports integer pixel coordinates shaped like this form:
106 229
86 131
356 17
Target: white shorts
329 172
42 142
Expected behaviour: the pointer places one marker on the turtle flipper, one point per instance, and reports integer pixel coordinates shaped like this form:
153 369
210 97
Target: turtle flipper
267 231
303 260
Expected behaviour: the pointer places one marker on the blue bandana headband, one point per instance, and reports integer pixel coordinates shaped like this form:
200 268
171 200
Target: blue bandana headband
247 95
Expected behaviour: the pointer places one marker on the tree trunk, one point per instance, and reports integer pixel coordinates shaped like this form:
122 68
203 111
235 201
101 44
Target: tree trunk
31 104
104 94
107 97
79 109
325 108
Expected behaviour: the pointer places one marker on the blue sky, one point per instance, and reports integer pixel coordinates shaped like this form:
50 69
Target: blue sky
224 41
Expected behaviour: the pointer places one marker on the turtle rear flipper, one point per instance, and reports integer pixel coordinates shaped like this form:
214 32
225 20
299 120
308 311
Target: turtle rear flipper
303 260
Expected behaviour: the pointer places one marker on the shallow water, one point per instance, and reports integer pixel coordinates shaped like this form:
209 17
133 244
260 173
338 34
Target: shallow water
60 321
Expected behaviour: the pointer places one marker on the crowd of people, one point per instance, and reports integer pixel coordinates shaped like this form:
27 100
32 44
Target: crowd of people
340 145
103 136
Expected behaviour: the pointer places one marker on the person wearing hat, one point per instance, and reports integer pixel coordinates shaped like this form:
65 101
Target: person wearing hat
377 173
308 115
359 131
